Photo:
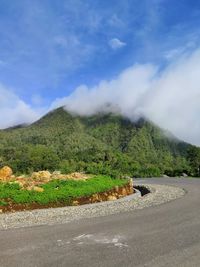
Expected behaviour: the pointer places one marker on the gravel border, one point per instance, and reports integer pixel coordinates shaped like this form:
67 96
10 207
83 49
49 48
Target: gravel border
159 194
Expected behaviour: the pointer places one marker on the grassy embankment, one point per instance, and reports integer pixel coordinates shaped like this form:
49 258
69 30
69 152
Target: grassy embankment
57 191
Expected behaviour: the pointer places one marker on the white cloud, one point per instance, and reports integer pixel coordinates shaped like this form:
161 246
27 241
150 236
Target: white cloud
118 93
171 99
174 99
115 43
169 55
13 110
177 52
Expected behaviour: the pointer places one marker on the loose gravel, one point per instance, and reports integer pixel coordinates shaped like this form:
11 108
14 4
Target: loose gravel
158 194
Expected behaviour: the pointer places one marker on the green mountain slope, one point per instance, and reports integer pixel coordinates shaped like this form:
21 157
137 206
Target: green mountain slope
103 143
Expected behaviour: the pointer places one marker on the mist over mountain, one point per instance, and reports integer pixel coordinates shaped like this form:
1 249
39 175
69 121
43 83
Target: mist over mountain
169 97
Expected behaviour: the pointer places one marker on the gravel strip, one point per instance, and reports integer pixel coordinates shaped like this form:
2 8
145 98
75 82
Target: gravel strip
159 194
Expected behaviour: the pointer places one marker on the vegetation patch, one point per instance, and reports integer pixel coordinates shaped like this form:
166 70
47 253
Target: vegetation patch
55 192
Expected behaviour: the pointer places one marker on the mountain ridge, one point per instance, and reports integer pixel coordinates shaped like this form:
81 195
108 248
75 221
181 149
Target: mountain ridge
105 141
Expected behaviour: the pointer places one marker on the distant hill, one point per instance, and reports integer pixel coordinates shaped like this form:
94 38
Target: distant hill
103 143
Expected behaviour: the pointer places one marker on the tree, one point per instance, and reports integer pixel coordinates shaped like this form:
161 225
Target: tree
193 156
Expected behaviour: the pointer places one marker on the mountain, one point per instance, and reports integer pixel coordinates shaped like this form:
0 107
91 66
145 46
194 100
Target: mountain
102 143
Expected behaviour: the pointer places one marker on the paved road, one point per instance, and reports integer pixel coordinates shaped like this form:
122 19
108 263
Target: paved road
165 235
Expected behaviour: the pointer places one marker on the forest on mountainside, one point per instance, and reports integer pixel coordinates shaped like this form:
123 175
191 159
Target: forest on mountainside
99 144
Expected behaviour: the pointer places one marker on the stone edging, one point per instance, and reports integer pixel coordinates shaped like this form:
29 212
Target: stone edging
159 194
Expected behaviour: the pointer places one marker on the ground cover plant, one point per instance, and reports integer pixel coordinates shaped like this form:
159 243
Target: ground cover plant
57 191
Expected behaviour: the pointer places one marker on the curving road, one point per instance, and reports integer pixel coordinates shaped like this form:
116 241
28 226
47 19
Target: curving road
164 235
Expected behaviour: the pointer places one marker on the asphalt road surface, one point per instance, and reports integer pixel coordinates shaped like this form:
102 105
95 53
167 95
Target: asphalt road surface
164 235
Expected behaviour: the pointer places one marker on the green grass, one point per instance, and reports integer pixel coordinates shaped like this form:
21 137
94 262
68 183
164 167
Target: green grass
57 190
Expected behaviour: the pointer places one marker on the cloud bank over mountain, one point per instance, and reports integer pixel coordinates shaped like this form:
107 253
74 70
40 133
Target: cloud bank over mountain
169 97
14 110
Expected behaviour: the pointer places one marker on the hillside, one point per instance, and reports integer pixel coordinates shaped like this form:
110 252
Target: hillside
104 143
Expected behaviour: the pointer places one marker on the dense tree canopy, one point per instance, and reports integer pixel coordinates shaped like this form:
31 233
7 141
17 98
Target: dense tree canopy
104 143
194 160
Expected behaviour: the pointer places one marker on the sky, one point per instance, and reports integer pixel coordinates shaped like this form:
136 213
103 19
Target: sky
139 58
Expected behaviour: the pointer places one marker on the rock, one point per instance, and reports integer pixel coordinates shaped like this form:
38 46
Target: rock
95 198
38 189
29 188
5 173
131 183
110 198
75 203
35 188
21 179
1 211
116 188
122 191
41 176
184 175
130 189
59 176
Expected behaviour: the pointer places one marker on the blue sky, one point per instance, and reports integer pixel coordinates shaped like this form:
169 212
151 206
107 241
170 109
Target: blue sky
49 48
